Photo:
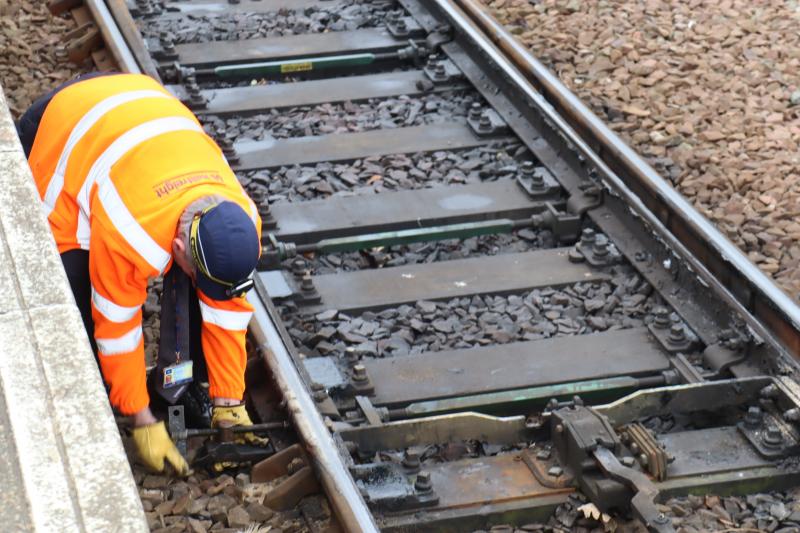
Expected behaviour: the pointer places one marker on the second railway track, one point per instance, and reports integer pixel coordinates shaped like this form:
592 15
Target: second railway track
474 297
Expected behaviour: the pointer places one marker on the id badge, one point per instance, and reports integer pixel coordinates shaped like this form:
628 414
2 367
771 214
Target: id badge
177 374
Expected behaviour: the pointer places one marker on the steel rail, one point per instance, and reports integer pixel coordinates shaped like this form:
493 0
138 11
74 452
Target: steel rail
772 313
112 37
350 508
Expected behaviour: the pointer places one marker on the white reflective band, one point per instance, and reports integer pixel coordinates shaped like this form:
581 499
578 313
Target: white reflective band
233 320
112 311
253 210
115 208
56 183
124 344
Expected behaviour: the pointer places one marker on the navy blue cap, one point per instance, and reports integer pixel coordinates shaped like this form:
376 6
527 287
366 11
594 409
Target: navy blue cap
227 251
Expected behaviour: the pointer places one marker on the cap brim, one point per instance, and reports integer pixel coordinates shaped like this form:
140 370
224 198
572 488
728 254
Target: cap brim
211 288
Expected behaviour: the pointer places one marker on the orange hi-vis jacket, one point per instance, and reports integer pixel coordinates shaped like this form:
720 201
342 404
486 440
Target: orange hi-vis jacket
117 160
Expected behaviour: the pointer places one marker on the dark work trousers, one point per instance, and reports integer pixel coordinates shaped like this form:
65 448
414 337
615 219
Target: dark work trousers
76 265
28 124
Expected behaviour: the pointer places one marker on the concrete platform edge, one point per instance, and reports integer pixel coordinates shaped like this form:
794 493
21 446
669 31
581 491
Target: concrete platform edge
66 469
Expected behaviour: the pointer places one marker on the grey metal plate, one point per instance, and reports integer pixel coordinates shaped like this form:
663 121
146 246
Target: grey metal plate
402 380
710 451
282 95
370 289
289 47
339 216
349 146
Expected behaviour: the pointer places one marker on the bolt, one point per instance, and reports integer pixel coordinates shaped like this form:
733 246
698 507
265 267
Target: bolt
587 237
770 391
661 320
559 428
643 459
166 42
600 248
439 71
792 415
352 357
263 210
299 268
359 373
634 447
485 122
527 168
676 334
537 180
543 455
475 111
319 396
773 436
307 285
661 518
753 418
411 461
555 471
400 25
628 461
423 482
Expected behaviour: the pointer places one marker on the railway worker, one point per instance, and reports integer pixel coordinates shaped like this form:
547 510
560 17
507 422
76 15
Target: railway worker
132 188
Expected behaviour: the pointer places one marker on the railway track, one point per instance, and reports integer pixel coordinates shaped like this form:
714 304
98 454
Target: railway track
475 299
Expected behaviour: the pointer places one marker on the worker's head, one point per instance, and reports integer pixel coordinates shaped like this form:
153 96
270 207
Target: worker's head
218 246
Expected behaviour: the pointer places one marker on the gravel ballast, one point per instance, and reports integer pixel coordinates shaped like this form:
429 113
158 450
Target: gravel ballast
427 326
348 117
709 92
31 63
242 26
394 172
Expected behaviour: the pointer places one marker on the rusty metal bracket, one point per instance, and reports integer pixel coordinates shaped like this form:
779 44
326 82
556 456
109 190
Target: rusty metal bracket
82 41
643 502
545 468
301 481
57 7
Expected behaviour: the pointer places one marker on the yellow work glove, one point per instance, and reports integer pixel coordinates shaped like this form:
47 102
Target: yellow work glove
154 446
236 415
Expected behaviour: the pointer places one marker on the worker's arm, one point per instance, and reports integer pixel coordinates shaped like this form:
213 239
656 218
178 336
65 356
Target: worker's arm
223 339
119 290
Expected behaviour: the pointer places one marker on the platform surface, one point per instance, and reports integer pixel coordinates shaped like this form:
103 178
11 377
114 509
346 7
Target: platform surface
62 464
